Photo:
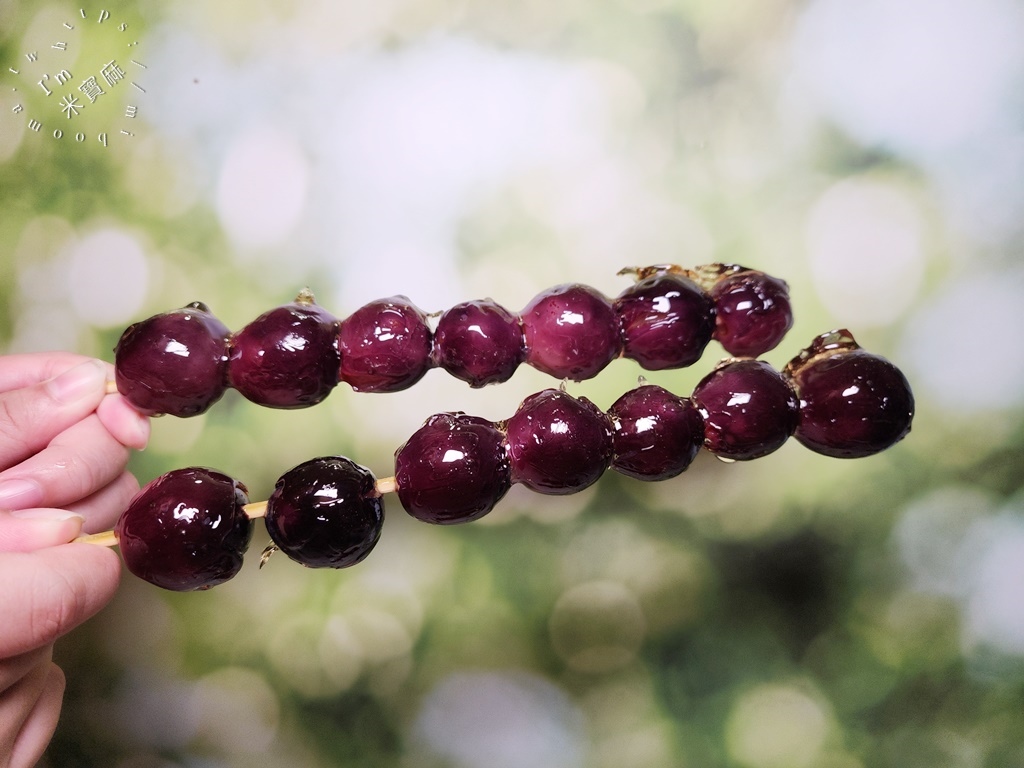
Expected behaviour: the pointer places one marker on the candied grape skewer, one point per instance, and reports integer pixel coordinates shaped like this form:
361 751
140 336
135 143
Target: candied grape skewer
182 361
838 399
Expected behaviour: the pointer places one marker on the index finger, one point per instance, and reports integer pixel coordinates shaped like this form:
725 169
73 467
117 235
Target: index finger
49 592
31 416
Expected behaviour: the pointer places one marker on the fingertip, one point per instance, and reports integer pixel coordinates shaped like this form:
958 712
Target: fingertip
41 723
56 681
124 422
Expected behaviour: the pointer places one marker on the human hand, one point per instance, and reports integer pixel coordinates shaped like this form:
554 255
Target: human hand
63 444
63 451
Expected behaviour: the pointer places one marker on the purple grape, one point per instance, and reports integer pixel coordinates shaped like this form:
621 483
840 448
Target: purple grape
749 409
287 357
479 342
385 346
657 434
571 332
852 403
558 444
752 311
453 469
186 530
325 513
175 362
666 321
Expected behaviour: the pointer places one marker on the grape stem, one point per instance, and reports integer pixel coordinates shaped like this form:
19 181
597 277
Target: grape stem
111 387
253 510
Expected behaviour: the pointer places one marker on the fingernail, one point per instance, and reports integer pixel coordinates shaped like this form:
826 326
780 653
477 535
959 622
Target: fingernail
47 527
141 432
77 382
54 515
19 493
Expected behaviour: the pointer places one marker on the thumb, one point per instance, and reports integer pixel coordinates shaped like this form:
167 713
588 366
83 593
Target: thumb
50 592
27 530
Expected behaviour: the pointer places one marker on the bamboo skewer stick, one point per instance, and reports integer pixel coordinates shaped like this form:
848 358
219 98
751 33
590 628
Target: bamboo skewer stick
253 510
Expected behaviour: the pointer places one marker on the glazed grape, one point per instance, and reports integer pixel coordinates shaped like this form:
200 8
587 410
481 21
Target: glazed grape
571 332
385 346
752 311
479 342
453 469
175 362
325 513
666 321
749 409
558 444
186 530
287 357
657 434
852 403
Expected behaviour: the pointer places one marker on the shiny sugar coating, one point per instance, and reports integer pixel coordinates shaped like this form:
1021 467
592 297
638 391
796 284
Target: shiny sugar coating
571 332
453 469
558 444
749 409
287 357
385 346
174 363
186 530
852 403
657 434
325 513
752 311
666 319
479 342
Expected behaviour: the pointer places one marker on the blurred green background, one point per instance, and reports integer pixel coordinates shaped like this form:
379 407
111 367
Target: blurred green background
791 612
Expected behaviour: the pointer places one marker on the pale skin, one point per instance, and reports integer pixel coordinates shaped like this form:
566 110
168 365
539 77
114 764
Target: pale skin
64 446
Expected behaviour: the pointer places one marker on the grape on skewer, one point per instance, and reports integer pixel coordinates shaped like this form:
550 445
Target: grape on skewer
325 513
175 362
287 357
453 469
385 346
186 530
666 321
479 342
749 409
852 403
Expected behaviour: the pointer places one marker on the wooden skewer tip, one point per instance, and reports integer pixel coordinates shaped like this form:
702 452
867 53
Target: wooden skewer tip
103 539
256 509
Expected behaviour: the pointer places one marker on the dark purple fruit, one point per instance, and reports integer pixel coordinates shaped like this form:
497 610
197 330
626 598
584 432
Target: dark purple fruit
479 342
453 469
186 530
666 321
571 332
385 346
325 513
852 403
657 434
749 409
752 311
175 362
287 357
558 444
